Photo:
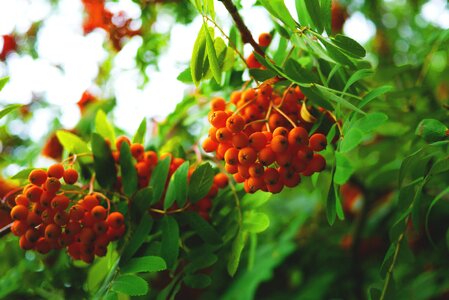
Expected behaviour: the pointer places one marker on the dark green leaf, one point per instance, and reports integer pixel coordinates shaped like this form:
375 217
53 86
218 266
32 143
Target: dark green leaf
212 55
137 238
278 9
343 168
131 285
432 204
170 195
262 75
326 15
331 212
350 46
10 108
303 15
143 199
432 130
170 240
236 252
197 281
139 137
337 99
104 164
159 177
181 183
298 74
198 56
314 10
200 182
144 264
201 261
203 228
360 74
374 94
129 172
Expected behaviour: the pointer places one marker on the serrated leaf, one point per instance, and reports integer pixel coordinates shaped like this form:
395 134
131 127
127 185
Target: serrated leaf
137 238
200 182
3 82
212 56
144 264
198 55
197 281
314 11
255 222
350 46
104 164
8 109
432 130
203 228
139 137
159 177
104 128
181 183
236 251
129 172
170 240
374 94
131 285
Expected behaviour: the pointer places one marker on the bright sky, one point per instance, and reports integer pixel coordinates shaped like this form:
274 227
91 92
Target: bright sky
61 43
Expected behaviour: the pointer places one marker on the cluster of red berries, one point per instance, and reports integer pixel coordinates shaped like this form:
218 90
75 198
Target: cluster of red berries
264 41
118 26
265 143
146 161
46 218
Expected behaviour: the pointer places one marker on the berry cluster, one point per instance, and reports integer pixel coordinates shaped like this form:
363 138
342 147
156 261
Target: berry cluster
264 41
46 218
146 161
265 143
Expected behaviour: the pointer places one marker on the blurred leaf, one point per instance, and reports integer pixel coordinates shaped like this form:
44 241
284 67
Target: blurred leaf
137 238
104 128
200 182
144 264
198 55
104 164
131 285
255 200
432 204
203 228
72 142
185 76
255 222
432 130
170 240
7 109
139 137
278 9
350 46
23 174
331 212
197 281
3 82
181 183
128 170
203 260
343 168
170 194
360 74
338 99
374 94
212 55
210 8
236 252
159 177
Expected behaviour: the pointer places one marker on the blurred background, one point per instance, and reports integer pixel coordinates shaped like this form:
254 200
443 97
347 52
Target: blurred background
65 63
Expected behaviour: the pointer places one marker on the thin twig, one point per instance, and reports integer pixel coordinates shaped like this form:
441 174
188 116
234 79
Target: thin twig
285 116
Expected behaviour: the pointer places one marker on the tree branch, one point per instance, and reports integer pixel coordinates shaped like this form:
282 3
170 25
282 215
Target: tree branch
247 38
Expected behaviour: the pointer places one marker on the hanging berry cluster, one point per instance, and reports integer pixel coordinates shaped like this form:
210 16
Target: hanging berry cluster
46 218
146 162
265 143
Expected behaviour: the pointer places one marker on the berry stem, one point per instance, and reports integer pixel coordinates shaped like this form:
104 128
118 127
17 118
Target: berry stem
242 107
91 184
285 95
285 116
268 115
105 198
256 121
5 230
72 159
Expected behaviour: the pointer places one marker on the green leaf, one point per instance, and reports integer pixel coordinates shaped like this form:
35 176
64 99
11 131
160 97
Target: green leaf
298 74
326 15
278 9
104 128
185 76
314 10
204 260
104 164
337 99
203 228
144 265
131 285
198 55
10 108
159 177
350 46
197 281
255 222
23 174
374 94
336 53
236 252
255 200
210 8
170 240
360 74
262 75
302 11
181 183
432 204
3 82
72 143
139 137
432 130
129 172
143 199
212 55
137 238
343 170
170 195
331 212
201 182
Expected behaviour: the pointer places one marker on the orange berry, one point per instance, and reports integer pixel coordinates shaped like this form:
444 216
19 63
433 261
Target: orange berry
247 156
56 171
218 104
268 135
60 202
271 176
115 220
265 39
137 151
213 191
99 213
284 159
317 142
276 188
87 236
221 180
267 156
252 62
70 176
240 140
318 163
114 233
33 219
257 141
305 153
32 235
151 158
72 228
235 97
276 120
223 135
238 178
22 200
42 246
231 169
19 213
289 177
37 177
19 228
61 218
279 144
254 184
120 140
232 156
100 227
256 170
209 145
249 95
76 212
52 185
235 123
52 232
47 216
25 244
280 131
221 149
218 119
90 201
34 193
213 134
298 136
